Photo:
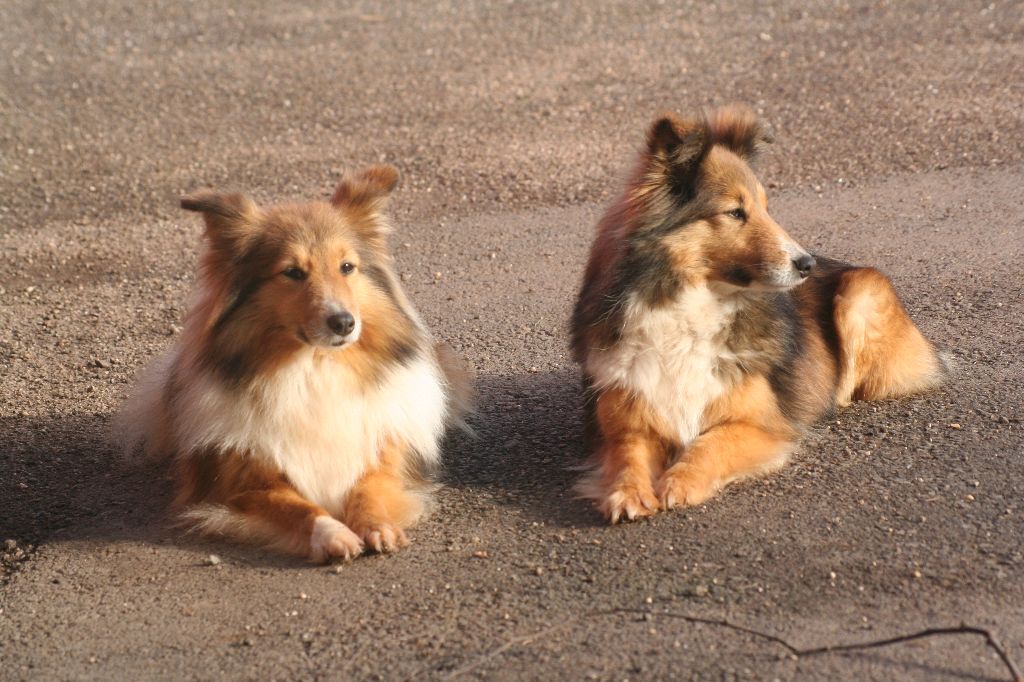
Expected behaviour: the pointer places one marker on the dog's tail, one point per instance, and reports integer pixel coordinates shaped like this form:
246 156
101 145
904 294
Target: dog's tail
216 520
459 381
140 425
948 362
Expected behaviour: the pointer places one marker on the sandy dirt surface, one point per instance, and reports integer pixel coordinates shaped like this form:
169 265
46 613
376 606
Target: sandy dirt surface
900 139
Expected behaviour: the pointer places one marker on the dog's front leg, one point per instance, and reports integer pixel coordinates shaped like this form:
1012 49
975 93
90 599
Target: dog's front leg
379 507
629 459
721 454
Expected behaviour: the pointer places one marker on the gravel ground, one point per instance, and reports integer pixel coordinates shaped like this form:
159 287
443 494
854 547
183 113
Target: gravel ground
900 139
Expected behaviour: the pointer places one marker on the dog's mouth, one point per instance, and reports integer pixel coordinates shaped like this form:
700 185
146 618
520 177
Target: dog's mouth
329 341
761 278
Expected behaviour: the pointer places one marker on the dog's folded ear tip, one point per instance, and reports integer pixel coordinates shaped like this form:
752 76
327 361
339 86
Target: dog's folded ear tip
384 168
195 201
679 139
386 175
664 121
198 197
232 206
370 186
191 202
663 133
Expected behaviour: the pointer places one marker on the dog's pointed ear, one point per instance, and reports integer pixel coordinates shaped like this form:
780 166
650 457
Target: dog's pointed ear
677 146
230 218
361 197
676 140
367 190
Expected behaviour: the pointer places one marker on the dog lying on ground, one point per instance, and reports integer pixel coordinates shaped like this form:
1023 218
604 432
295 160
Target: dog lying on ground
708 337
305 401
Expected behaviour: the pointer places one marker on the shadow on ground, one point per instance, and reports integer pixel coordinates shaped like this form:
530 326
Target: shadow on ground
528 435
60 473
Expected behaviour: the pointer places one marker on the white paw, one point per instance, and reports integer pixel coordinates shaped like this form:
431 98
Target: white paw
332 539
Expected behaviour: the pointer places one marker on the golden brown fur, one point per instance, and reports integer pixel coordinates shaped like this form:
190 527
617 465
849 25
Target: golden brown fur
708 337
305 402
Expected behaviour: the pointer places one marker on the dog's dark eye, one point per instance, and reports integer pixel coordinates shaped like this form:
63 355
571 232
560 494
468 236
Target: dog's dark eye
347 268
294 273
737 213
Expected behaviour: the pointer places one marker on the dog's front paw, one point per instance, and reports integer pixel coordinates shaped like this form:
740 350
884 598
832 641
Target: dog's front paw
384 538
682 485
629 501
332 539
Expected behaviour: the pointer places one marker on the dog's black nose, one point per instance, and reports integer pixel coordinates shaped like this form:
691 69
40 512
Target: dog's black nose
804 264
341 323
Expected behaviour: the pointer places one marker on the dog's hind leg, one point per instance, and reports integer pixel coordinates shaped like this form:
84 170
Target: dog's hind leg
231 495
881 353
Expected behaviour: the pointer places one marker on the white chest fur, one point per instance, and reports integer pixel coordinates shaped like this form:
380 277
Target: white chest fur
314 422
674 356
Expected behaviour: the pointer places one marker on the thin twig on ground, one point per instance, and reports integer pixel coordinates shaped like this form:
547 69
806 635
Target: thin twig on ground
963 629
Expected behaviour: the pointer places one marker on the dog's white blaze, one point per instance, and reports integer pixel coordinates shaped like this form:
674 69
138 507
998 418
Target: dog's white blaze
673 356
313 421
786 276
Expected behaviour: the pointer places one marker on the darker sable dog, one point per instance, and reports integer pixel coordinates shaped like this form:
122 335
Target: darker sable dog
708 337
